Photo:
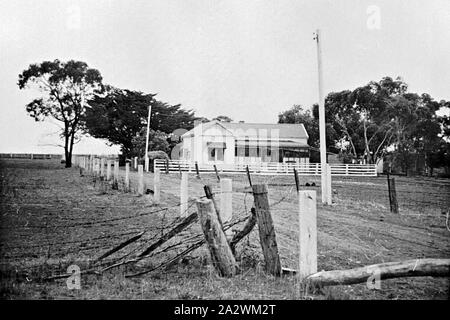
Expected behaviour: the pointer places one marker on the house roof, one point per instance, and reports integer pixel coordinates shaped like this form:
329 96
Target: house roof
285 130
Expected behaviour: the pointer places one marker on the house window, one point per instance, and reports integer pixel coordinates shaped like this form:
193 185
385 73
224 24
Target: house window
212 154
220 154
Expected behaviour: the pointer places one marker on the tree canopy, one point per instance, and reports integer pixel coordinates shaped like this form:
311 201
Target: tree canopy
120 115
378 118
65 87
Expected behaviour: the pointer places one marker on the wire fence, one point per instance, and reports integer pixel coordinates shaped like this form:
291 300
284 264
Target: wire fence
65 234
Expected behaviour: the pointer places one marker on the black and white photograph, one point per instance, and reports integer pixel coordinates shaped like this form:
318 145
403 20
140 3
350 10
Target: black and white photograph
225 155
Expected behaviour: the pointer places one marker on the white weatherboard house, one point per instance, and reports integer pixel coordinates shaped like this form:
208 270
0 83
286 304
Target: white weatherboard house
218 142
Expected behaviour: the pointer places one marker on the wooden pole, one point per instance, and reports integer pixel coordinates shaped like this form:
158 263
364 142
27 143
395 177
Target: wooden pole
392 196
389 270
209 195
156 186
297 185
221 255
249 177
197 170
217 173
147 137
141 179
184 194
323 147
167 166
329 190
108 170
266 229
102 167
226 202
307 233
116 174
135 163
127 176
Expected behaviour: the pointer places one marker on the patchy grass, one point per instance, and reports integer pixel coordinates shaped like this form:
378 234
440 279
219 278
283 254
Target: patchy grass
43 204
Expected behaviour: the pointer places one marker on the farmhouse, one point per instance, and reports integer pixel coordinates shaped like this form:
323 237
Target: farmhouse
245 143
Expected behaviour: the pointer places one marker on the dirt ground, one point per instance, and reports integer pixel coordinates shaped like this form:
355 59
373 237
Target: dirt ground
52 217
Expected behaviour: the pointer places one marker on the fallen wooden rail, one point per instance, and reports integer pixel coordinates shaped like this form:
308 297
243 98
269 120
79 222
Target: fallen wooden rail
389 270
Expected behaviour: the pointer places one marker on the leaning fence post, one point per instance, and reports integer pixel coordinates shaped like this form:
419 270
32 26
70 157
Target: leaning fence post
127 176
141 179
307 219
196 170
226 202
108 170
156 186
217 173
221 254
184 194
266 229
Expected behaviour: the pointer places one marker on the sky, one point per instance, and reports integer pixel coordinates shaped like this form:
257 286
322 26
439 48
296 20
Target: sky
249 60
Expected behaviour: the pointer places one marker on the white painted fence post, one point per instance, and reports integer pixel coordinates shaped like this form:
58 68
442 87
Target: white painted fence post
226 202
141 179
307 233
329 190
156 186
135 163
102 167
184 194
346 169
127 176
116 173
108 170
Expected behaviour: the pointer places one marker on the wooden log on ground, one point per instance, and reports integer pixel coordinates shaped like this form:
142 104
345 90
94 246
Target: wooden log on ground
266 229
221 255
389 270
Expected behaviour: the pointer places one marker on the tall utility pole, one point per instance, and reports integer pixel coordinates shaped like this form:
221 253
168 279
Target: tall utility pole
323 146
146 139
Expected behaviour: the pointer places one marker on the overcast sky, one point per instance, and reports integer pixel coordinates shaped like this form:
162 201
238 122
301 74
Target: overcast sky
249 60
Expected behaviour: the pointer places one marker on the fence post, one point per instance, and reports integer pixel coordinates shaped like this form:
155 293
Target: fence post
141 179
184 185
102 167
297 184
197 170
346 169
108 170
329 190
127 176
135 163
217 173
266 229
116 175
307 219
156 186
226 202
167 166
221 254
392 195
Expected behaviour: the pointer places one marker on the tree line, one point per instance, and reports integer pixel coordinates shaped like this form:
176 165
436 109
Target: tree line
378 120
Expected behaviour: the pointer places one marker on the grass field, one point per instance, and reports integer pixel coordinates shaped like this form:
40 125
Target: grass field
52 217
